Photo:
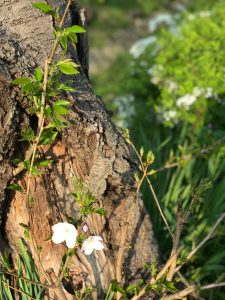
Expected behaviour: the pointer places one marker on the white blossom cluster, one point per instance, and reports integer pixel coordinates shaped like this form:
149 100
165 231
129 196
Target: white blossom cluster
169 115
67 232
202 14
187 100
139 47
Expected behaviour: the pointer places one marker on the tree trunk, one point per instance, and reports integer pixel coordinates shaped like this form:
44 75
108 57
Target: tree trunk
90 148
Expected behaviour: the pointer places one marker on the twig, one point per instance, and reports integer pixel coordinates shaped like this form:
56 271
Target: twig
158 205
212 286
43 96
191 289
176 241
41 120
158 277
209 235
17 290
152 190
27 280
63 270
167 166
181 294
32 150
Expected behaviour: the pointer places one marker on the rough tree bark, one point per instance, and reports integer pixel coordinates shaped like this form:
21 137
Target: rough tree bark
91 148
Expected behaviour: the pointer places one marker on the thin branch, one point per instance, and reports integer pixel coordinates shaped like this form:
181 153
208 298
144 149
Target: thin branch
191 289
32 150
63 270
18 290
158 277
158 205
27 280
152 190
181 294
176 242
209 235
212 286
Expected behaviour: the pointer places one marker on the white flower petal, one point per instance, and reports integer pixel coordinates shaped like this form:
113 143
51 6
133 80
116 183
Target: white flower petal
88 250
71 242
57 237
91 243
98 245
58 227
70 230
64 232
71 238
97 237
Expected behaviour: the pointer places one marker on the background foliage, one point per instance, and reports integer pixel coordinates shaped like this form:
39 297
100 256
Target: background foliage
182 61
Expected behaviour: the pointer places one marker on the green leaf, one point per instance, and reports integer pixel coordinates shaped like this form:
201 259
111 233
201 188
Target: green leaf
170 287
63 42
47 111
62 102
31 201
35 171
61 110
130 288
150 157
66 88
38 74
116 287
68 69
27 135
101 211
26 164
68 61
151 172
15 187
73 37
142 151
67 66
75 29
45 8
110 293
16 161
25 226
28 87
45 163
21 80
47 136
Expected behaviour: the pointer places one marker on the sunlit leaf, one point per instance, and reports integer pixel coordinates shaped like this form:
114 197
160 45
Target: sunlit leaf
38 74
68 69
45 8
62 102
45 163
21 80
61 110
15 187
75 29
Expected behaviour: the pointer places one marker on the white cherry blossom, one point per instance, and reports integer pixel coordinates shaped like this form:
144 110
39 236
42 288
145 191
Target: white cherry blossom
169 115
186 101
92 243
64 232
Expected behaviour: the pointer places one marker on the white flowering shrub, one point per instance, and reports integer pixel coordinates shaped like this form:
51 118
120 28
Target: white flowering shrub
185 70
178 88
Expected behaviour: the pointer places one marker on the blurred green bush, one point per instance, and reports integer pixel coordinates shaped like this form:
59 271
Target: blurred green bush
171 95
176 99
